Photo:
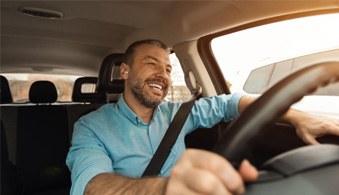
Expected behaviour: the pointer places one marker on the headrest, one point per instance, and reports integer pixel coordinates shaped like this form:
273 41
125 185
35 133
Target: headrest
79 96
107 81
43 92
5 92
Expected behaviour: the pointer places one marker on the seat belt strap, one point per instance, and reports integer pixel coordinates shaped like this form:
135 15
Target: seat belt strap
169 139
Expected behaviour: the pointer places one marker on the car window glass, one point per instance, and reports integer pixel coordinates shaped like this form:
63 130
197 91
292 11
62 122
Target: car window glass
254 59
20 84
241 52
178 90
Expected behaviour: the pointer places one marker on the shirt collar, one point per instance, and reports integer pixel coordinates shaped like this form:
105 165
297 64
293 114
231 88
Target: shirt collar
127 111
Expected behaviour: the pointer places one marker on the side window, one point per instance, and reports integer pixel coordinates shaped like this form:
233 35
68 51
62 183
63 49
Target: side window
178 91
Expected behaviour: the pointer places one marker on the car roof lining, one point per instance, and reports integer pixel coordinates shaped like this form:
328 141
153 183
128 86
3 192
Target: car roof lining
118 23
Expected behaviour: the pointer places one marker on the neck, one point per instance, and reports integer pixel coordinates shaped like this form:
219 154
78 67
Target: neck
143 112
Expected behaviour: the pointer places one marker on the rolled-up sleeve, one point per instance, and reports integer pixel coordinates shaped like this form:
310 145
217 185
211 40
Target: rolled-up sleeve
207 112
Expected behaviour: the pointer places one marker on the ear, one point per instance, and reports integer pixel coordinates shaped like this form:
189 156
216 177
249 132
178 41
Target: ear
124 68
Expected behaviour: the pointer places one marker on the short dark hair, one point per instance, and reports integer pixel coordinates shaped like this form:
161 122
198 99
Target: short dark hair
130 51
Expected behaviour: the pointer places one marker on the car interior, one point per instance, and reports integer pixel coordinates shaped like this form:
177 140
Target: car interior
88 39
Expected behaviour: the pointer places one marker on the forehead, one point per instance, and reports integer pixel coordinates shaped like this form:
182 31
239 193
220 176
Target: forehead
146 51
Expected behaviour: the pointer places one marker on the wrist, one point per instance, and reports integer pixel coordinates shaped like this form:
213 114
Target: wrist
293 116
164 189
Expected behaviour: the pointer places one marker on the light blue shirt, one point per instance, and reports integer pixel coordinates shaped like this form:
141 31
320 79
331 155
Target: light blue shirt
113 139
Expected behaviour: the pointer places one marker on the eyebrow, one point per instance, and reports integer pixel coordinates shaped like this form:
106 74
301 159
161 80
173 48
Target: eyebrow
152 58
157 60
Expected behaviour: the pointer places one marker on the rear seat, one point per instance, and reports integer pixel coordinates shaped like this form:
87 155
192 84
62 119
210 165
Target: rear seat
88 101
39 134
109 80
8 114
5 92
10 174
43 142
109 87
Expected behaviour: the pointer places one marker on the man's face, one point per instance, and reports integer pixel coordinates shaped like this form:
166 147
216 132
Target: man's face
149 75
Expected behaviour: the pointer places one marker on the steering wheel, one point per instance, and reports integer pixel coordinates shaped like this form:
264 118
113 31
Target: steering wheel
269 107
307 170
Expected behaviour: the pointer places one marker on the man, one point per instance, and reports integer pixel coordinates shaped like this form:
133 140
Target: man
112 146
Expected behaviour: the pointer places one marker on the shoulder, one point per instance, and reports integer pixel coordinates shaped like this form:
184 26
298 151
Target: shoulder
98 115
94 123
169 105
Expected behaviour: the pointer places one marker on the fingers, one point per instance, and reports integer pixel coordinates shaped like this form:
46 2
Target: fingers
309 139
334 127
248 172
221 168
202 172
306 136
200 182
309 127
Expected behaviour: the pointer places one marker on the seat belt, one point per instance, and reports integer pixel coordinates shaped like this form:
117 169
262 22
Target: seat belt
169 139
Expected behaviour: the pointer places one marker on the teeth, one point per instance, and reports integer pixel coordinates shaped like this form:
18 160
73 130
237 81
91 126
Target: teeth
155 86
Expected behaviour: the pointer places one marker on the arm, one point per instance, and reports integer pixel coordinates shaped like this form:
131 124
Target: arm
193 174
308 127
107 183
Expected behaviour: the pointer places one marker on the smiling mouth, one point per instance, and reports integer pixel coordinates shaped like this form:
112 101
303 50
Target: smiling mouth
156 86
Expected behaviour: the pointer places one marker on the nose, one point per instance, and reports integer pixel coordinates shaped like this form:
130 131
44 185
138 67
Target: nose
162 72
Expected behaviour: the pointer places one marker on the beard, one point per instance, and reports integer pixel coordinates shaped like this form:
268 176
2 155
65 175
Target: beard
143 97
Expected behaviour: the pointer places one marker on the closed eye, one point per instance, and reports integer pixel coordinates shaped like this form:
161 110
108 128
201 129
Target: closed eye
152 63
169 70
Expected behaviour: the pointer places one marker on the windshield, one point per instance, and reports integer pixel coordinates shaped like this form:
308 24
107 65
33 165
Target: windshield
254 59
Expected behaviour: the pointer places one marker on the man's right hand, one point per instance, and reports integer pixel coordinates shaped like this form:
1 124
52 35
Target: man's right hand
203 172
